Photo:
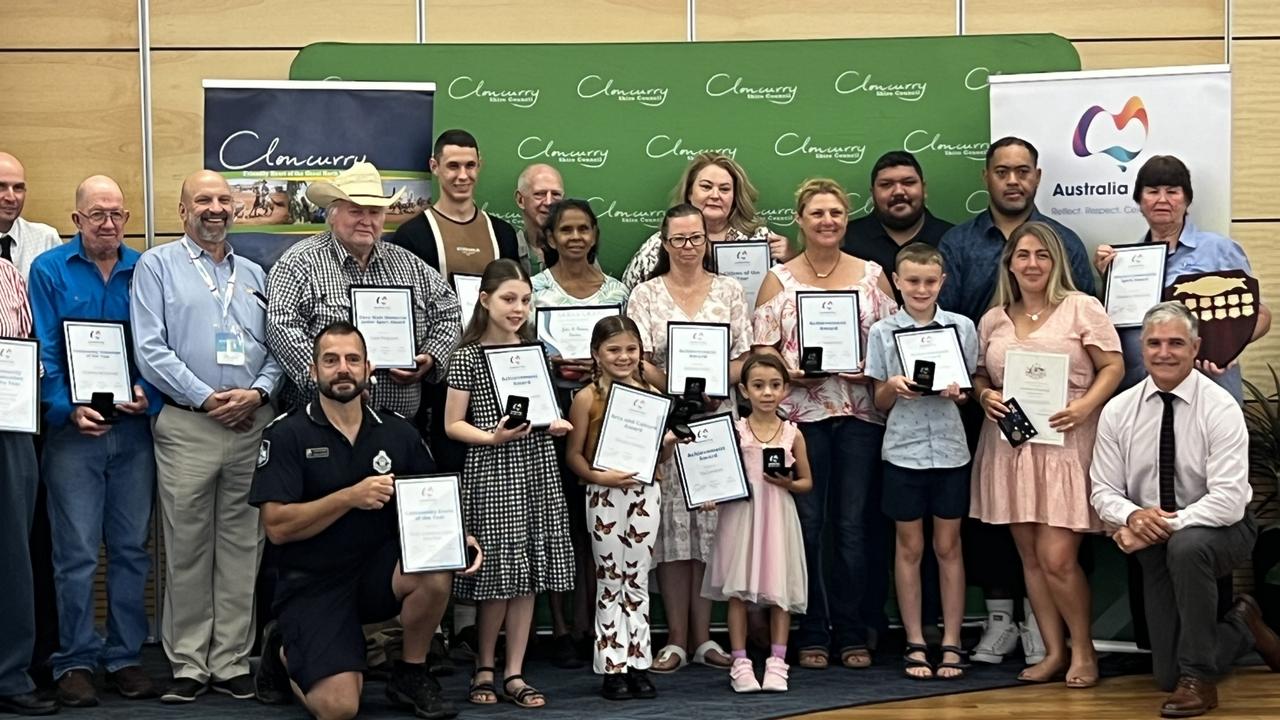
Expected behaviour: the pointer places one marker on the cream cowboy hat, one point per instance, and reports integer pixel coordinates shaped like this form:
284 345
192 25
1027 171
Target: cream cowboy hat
360 184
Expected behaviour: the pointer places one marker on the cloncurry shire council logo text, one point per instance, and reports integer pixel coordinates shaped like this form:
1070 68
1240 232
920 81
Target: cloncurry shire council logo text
464 87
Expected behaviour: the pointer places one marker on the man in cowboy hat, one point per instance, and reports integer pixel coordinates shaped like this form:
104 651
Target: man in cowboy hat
310 287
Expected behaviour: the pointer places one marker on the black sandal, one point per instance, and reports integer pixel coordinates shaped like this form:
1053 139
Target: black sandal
524 694
909 663
961 665
474 693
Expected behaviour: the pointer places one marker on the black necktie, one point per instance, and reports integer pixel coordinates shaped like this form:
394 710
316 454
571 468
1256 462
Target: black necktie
1168 452
6 245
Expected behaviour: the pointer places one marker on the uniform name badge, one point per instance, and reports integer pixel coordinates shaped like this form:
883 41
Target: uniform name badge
230 348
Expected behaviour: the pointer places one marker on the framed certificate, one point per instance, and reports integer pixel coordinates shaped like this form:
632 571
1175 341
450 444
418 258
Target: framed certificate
384 316
1135 282
566 330
747 262
698 350
467 287
522 370
429 511
19 385
831 320
1038 381
97 360
631 435
711 468
939 345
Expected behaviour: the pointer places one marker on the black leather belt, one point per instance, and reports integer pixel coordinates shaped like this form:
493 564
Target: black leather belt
173 403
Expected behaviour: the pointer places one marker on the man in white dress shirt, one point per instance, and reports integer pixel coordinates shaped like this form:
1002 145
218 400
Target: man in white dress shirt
1182 504
20 240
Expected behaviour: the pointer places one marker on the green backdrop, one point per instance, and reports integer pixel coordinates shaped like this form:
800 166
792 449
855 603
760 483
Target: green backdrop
622 120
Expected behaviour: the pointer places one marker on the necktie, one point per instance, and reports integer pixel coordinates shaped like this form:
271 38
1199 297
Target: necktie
1168 452
6 245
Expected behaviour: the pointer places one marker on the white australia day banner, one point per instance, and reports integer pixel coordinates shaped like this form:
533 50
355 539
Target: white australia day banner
1095 129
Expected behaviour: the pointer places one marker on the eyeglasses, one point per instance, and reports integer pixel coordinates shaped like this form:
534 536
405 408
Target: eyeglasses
680 241
100 217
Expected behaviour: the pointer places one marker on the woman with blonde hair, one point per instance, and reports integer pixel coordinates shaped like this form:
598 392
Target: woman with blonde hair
842 428
1042 490
718 186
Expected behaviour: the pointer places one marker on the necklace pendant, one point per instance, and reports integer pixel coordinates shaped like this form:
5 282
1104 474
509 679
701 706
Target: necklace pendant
1034 317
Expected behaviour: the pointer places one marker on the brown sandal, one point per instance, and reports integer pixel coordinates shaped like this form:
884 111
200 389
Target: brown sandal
814 659
856 658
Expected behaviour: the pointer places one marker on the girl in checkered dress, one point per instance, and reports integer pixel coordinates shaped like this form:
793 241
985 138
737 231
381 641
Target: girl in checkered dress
512 500
622 516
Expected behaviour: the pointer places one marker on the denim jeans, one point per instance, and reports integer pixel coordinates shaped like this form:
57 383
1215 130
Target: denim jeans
844 455
17 613
100 489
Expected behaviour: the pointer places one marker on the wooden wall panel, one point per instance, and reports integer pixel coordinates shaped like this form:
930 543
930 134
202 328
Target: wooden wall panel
71 115
1255 184
280 23
1259 243
62 24
177 105
555 21
1255 17
1101 55
1098 18
771 20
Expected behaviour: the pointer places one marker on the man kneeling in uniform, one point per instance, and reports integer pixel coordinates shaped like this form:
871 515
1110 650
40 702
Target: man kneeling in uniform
324 486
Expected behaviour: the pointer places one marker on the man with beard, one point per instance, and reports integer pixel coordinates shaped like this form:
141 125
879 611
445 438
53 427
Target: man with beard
199 319
972 249
100 475
900 216
539 187
325 485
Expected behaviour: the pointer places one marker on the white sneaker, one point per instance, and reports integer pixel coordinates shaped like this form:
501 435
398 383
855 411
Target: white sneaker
999 638
775 675
742 676
1032 642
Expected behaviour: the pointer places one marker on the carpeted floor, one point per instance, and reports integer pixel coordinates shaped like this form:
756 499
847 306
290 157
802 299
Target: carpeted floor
694 691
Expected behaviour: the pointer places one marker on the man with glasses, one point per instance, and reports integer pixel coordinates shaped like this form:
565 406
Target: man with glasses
20 240
100 473
199 327
539 187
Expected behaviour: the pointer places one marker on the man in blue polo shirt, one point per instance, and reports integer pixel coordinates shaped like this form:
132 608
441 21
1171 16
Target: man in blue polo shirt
100 475
972 249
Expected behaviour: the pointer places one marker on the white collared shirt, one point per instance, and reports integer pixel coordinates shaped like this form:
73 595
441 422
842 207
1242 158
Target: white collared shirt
30 239
1211 463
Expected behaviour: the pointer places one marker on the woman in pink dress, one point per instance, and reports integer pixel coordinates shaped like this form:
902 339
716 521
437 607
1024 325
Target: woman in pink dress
1040 490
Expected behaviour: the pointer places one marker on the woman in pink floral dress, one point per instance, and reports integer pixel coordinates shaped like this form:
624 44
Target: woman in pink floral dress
841 427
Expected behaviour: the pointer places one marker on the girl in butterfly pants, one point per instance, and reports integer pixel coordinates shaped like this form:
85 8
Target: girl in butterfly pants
623 524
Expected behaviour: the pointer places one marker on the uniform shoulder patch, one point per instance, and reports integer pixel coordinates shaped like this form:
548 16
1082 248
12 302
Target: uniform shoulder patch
264 452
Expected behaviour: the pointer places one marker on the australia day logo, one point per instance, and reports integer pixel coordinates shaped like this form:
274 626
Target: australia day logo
536 147
464 87
850 82
1133 110
597 86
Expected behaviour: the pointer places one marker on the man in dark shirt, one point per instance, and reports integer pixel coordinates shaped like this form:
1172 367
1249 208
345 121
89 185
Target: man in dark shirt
900 216
324 486
971 250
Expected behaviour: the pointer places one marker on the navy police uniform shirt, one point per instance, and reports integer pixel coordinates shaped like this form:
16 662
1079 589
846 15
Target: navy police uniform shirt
304 458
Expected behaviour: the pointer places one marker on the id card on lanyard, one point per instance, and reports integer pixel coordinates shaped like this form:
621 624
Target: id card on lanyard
229 340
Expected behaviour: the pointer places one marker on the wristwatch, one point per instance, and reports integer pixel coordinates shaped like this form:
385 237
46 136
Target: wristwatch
264 395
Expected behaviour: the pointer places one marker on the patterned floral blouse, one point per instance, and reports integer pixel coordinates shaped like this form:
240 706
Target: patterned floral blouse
775 325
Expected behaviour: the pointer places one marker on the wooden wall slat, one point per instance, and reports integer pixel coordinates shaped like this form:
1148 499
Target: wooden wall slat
1259 243
1102 55
280 23
177 110
63 24
68 115
801 19
554 21
1255 17
1255 185
1098 18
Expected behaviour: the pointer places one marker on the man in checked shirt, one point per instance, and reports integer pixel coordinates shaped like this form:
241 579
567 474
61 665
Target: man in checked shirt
310 287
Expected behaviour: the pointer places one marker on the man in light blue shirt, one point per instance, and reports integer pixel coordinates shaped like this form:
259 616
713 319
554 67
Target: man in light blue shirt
199 327
100 476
